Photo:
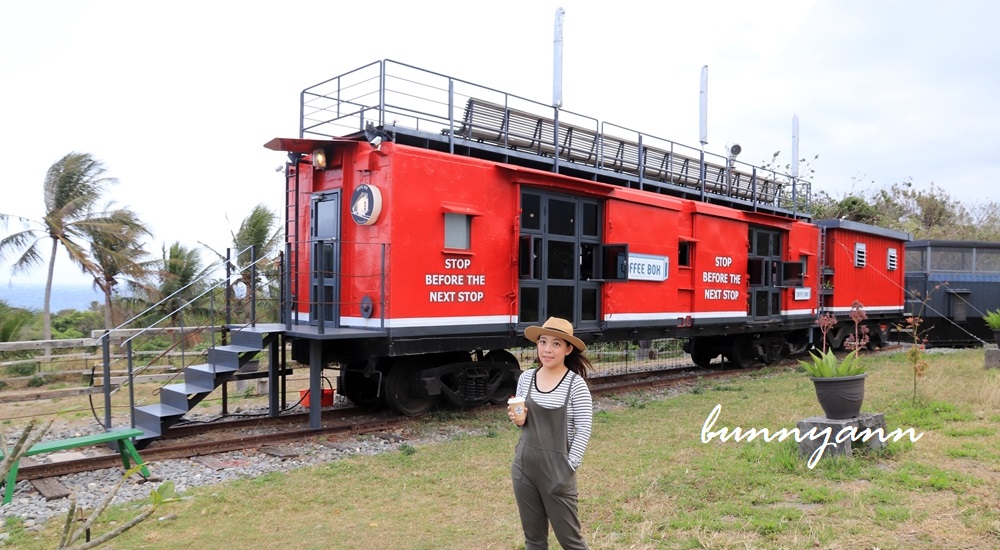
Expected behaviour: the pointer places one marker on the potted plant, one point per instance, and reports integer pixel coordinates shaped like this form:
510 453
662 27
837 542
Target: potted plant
992 319
840 383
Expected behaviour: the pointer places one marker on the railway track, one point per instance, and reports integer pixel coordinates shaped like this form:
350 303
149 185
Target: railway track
200 439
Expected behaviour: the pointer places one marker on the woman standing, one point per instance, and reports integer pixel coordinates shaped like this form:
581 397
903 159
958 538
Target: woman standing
554 436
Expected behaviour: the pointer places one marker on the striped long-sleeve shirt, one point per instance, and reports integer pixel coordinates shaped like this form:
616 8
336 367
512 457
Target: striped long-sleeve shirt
579 409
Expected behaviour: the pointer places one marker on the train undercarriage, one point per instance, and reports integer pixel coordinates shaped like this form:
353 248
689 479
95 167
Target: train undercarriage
743 350
414 384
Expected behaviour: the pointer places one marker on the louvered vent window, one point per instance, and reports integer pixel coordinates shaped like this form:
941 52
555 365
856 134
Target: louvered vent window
860 255
892 259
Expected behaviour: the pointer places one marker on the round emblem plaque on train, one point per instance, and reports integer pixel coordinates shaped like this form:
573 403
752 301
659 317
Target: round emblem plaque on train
366 204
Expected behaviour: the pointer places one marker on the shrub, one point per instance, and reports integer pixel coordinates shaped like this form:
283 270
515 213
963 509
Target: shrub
992 319
26 369
824 364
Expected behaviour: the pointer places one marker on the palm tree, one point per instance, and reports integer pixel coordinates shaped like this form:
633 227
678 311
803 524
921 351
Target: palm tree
261 233
119 258
72 188
12 320
181 279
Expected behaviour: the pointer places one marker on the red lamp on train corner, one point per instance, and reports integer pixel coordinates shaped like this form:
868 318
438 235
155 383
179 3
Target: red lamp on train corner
319 159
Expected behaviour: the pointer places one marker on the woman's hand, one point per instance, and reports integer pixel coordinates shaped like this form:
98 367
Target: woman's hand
510 415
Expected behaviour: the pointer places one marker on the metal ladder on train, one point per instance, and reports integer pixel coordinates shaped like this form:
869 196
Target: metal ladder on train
821 267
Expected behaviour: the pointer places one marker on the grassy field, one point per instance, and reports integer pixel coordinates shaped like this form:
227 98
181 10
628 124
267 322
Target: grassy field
647 480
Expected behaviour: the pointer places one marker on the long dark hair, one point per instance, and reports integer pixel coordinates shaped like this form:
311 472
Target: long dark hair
579 363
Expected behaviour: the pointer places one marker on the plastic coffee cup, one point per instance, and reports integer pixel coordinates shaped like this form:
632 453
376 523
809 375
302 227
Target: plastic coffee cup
516 405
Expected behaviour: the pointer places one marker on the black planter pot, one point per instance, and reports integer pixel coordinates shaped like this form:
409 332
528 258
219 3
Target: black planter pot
841 397
996 337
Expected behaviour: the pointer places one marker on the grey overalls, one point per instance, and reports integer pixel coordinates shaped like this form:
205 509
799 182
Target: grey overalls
544 482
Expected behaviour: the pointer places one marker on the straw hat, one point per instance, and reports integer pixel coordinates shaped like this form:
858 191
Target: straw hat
560 328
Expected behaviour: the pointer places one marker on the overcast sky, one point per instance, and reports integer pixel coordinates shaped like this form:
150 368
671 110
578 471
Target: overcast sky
178 98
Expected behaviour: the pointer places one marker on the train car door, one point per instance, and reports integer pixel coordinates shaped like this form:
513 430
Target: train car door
325 269
764 274
560 240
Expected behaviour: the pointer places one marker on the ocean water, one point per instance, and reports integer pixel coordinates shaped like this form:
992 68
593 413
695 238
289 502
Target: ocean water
32 296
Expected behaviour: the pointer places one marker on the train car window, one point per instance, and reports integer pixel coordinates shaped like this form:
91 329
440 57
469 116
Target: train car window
531 211
761 300
327 216
590 221
529 257
958 301
457 231
588 305
915 260
529 304
588 261
892 260
562 217
987 261
951 259
562 257
860 254
614 262
560 303
762 244
684 254
792 273
757 274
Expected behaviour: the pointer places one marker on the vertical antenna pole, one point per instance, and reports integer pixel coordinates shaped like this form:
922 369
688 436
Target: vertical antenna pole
557 60
703 107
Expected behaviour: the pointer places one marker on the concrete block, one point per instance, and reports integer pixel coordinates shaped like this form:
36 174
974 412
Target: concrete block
992 358
842 434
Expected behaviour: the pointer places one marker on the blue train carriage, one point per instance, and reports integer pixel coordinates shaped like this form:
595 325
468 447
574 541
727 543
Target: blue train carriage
951 285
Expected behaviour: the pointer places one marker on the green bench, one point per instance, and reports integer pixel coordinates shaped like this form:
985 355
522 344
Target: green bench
125 447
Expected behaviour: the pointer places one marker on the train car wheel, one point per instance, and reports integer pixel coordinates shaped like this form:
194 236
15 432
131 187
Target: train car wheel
702 353
742 354
402 391
797 346
505 363
361 390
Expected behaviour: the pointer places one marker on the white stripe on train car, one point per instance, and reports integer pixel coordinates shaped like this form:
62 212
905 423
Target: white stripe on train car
673 316
406 322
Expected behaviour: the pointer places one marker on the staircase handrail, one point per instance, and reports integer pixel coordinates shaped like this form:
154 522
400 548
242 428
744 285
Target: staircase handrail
104 340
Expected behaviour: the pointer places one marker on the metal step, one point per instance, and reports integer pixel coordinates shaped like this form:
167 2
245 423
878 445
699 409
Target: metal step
250 338
229 355
200 381
205 375
178 396
150 419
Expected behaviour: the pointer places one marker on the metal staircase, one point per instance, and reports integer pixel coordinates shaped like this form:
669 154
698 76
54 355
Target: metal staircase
176 400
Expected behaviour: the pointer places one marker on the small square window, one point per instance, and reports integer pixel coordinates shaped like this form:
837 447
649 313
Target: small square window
457 231
860 254
684 253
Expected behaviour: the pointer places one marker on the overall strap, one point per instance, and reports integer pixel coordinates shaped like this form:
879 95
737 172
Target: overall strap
570 387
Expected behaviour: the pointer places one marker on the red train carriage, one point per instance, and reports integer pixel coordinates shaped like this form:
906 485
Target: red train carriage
428 224
863 263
